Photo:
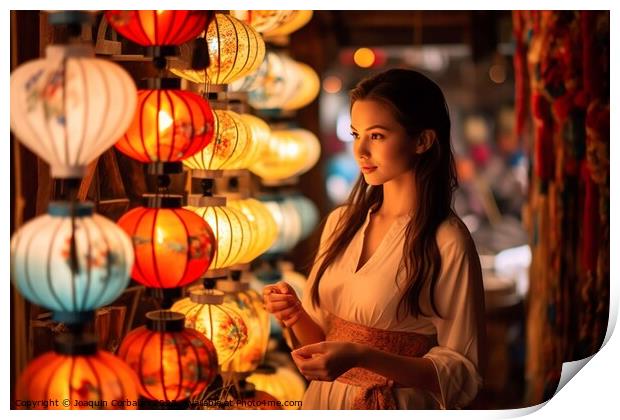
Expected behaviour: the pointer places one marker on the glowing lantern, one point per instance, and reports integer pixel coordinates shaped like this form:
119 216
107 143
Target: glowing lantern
308 213
263 20
289 153
281 382
308 88
169 125
71 266
173 363
262 224
205 312
249 305
231 142
70 107
288 221
295 21
158 27
77 371
230 227
235 50
259 133
173 246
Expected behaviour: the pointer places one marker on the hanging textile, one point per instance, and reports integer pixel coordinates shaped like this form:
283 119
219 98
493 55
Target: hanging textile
562 64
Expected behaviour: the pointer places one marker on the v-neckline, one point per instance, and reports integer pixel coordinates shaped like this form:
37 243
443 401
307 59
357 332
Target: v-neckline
360 248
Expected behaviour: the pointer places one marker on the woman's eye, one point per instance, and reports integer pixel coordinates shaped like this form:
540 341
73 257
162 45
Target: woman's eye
376 136
354 135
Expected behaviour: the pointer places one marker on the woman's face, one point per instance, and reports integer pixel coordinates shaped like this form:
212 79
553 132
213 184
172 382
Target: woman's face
381 146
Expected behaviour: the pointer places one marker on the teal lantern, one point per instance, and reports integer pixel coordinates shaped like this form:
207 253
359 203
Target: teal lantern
71 260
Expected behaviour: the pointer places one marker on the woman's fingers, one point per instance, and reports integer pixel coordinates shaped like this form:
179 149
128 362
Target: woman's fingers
278 306
292 320
280 297
285 314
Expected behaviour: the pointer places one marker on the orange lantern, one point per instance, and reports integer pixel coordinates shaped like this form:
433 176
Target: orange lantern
172 246
77 376
169 125
158 27
173 363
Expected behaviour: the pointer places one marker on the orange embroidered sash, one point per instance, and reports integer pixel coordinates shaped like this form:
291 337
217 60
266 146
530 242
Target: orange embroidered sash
376 390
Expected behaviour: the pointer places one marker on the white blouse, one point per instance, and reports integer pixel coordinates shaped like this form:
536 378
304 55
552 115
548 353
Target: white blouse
371 295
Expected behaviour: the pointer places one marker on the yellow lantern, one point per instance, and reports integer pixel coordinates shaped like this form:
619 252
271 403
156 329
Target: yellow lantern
295 21
231 229
249 305
205 312
289 153
259 133
309 88
288 221
264 20
282 382
264 228
235 50
231 143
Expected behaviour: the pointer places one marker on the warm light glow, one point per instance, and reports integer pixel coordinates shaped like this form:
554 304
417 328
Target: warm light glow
364 57
264 228
235 50
164 120
497 73
332 84
173 247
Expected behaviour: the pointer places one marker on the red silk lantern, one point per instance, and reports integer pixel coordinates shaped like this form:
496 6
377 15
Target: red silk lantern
173 363
158 27
172 246
169 125
78 373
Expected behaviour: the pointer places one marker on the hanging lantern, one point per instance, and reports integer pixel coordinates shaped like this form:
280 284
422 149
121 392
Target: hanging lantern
280 83
274 22
158 27
281 382
173 363
169 125
205 312
294 22
249 305
259 133
262 224
288 221
308 213
77 373
173 246
69 107
71 265
235 50
289 153
308 88
230 227
231 142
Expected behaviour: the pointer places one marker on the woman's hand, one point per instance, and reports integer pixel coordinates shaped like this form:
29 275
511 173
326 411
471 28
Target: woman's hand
281 300
327 360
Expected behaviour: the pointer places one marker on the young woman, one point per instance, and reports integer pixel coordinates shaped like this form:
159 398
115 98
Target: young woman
392 314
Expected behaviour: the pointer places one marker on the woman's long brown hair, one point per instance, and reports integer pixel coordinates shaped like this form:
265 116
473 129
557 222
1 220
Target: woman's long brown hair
418 104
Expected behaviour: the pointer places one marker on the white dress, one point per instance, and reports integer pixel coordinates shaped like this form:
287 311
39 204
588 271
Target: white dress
370 297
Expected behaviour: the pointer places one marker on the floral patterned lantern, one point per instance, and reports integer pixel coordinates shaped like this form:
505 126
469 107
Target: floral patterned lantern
230 145
173 363
71 260
249 305
235 50
289 153
205 312
262 224
231 228
169 125
77 372
173 246
158 27
308 88
69 107
274 22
